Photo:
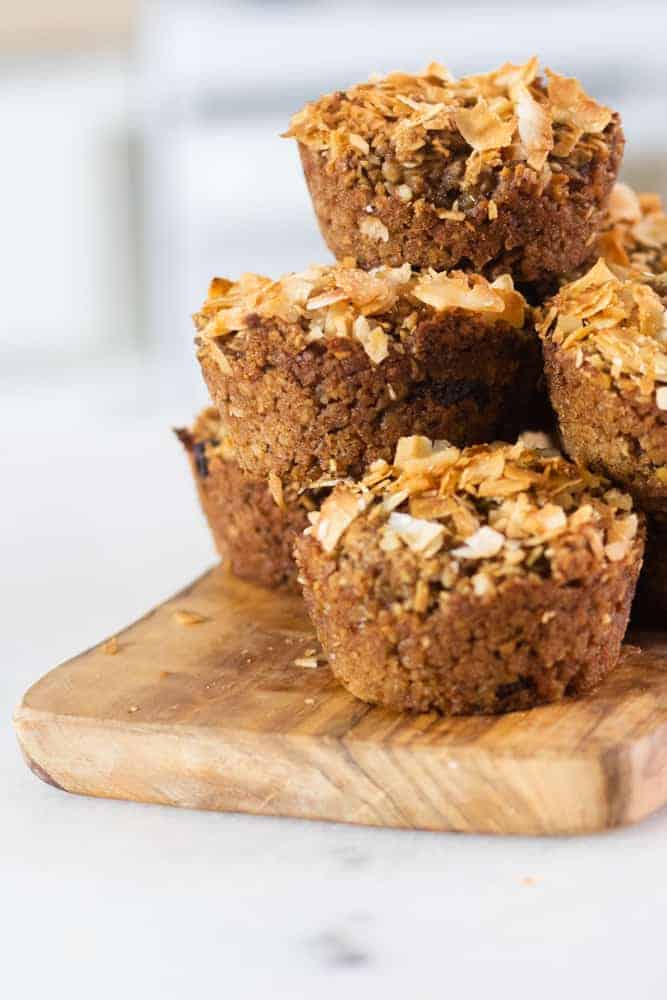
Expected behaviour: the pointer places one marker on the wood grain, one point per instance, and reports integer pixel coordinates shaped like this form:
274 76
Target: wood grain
217 716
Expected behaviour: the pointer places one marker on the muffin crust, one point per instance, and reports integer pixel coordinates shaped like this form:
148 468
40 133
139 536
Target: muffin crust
322 372
606 367
252 529
494 173
479 581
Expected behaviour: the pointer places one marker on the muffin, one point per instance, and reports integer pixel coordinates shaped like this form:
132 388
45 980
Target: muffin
635 238
322 372
253 524
633 242
494 173
476 581
604 341
650 607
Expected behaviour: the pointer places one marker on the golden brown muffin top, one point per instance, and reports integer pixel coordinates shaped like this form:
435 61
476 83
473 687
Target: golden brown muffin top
507 114
616 324
488 512
636 237
343 301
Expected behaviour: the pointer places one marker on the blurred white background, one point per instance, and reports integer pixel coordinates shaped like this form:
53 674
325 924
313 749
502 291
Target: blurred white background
140 156
142 149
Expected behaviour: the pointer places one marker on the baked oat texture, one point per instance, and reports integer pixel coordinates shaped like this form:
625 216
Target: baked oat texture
604 341
250 530
480 581
322 372
493 173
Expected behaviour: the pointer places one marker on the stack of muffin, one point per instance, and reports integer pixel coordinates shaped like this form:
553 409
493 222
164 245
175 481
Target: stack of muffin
380 422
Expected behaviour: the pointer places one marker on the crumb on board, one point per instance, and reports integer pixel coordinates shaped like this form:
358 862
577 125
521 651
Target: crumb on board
312 659
185 617
306 662
110 647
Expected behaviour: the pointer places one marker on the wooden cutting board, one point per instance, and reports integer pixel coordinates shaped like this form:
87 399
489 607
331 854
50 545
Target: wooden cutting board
216 715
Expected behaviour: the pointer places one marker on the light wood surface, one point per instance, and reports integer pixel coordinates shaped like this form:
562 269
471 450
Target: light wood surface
215 715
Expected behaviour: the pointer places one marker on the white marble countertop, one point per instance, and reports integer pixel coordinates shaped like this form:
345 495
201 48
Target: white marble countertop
108 899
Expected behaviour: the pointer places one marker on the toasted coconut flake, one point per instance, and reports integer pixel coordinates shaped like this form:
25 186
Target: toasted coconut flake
442 457
358 143
338 512
616 551
506 78
389 541
483 544
514 311
394 500
636 237
624 205
573 106
332 302
326 299
615 323
395 127
534 124
651 310
546 521
485 466
418 535
373 339
619 500
611 246
432 508
374 229
661 397
377 471
598 275
409 448
439 71
458 291
483 585
219 287
482 128
372 292
651 230
472 530
650 201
